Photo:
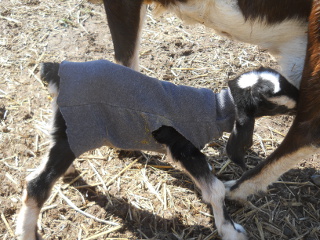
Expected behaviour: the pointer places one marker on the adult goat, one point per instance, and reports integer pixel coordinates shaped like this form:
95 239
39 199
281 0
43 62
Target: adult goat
277 25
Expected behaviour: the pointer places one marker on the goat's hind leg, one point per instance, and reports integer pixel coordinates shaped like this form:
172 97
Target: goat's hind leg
183 152
39 183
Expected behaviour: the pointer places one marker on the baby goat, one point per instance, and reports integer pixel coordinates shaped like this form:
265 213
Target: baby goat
256 94
279 26
303 138
180 119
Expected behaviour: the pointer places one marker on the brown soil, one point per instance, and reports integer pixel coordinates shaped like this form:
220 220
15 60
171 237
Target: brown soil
150 200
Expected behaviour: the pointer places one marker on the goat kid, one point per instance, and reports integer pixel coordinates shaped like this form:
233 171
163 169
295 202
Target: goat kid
279 26
181 151
303 138
257 93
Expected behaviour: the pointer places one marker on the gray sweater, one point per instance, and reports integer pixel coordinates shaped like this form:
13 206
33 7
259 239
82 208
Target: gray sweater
108 104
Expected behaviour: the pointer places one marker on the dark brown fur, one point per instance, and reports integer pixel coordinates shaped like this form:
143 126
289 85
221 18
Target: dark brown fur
124 18
274 11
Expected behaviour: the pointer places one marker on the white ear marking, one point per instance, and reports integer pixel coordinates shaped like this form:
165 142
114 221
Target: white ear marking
274 78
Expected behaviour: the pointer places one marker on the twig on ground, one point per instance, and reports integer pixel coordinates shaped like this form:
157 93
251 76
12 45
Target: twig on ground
71 204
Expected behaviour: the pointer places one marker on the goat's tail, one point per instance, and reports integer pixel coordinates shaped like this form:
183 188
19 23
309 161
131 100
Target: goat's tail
49 76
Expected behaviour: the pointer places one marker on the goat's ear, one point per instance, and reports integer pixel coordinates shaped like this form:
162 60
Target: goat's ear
240 140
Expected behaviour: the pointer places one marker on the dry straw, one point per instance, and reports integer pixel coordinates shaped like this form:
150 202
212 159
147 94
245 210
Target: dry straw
123 196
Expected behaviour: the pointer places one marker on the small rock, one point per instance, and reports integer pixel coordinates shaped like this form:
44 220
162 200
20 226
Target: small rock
316 179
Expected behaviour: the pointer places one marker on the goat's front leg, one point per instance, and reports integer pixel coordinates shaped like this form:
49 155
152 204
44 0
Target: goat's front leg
294 147
40 182
125 19
183 152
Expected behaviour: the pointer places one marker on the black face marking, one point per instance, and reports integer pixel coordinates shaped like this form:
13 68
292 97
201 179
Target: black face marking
275 11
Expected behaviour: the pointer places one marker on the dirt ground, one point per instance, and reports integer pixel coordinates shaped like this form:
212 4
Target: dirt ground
145 196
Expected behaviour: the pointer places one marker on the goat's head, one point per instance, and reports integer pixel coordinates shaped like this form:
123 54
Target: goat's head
263 92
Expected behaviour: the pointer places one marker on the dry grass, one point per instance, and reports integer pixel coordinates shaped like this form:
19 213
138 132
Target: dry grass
140 196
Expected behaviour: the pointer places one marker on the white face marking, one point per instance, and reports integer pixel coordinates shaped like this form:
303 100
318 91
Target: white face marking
273 78
283 100
248 80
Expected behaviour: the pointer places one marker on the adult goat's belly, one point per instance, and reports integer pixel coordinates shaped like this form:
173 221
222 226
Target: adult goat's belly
225 17
286 40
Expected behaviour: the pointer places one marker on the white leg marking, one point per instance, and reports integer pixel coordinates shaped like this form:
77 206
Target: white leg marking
214 193
27 219
268 175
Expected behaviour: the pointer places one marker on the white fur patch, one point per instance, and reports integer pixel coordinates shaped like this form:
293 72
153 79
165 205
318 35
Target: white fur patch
53 89
70 170
274 78
214 193
251 78
229 233
27 219
284 101
248 80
